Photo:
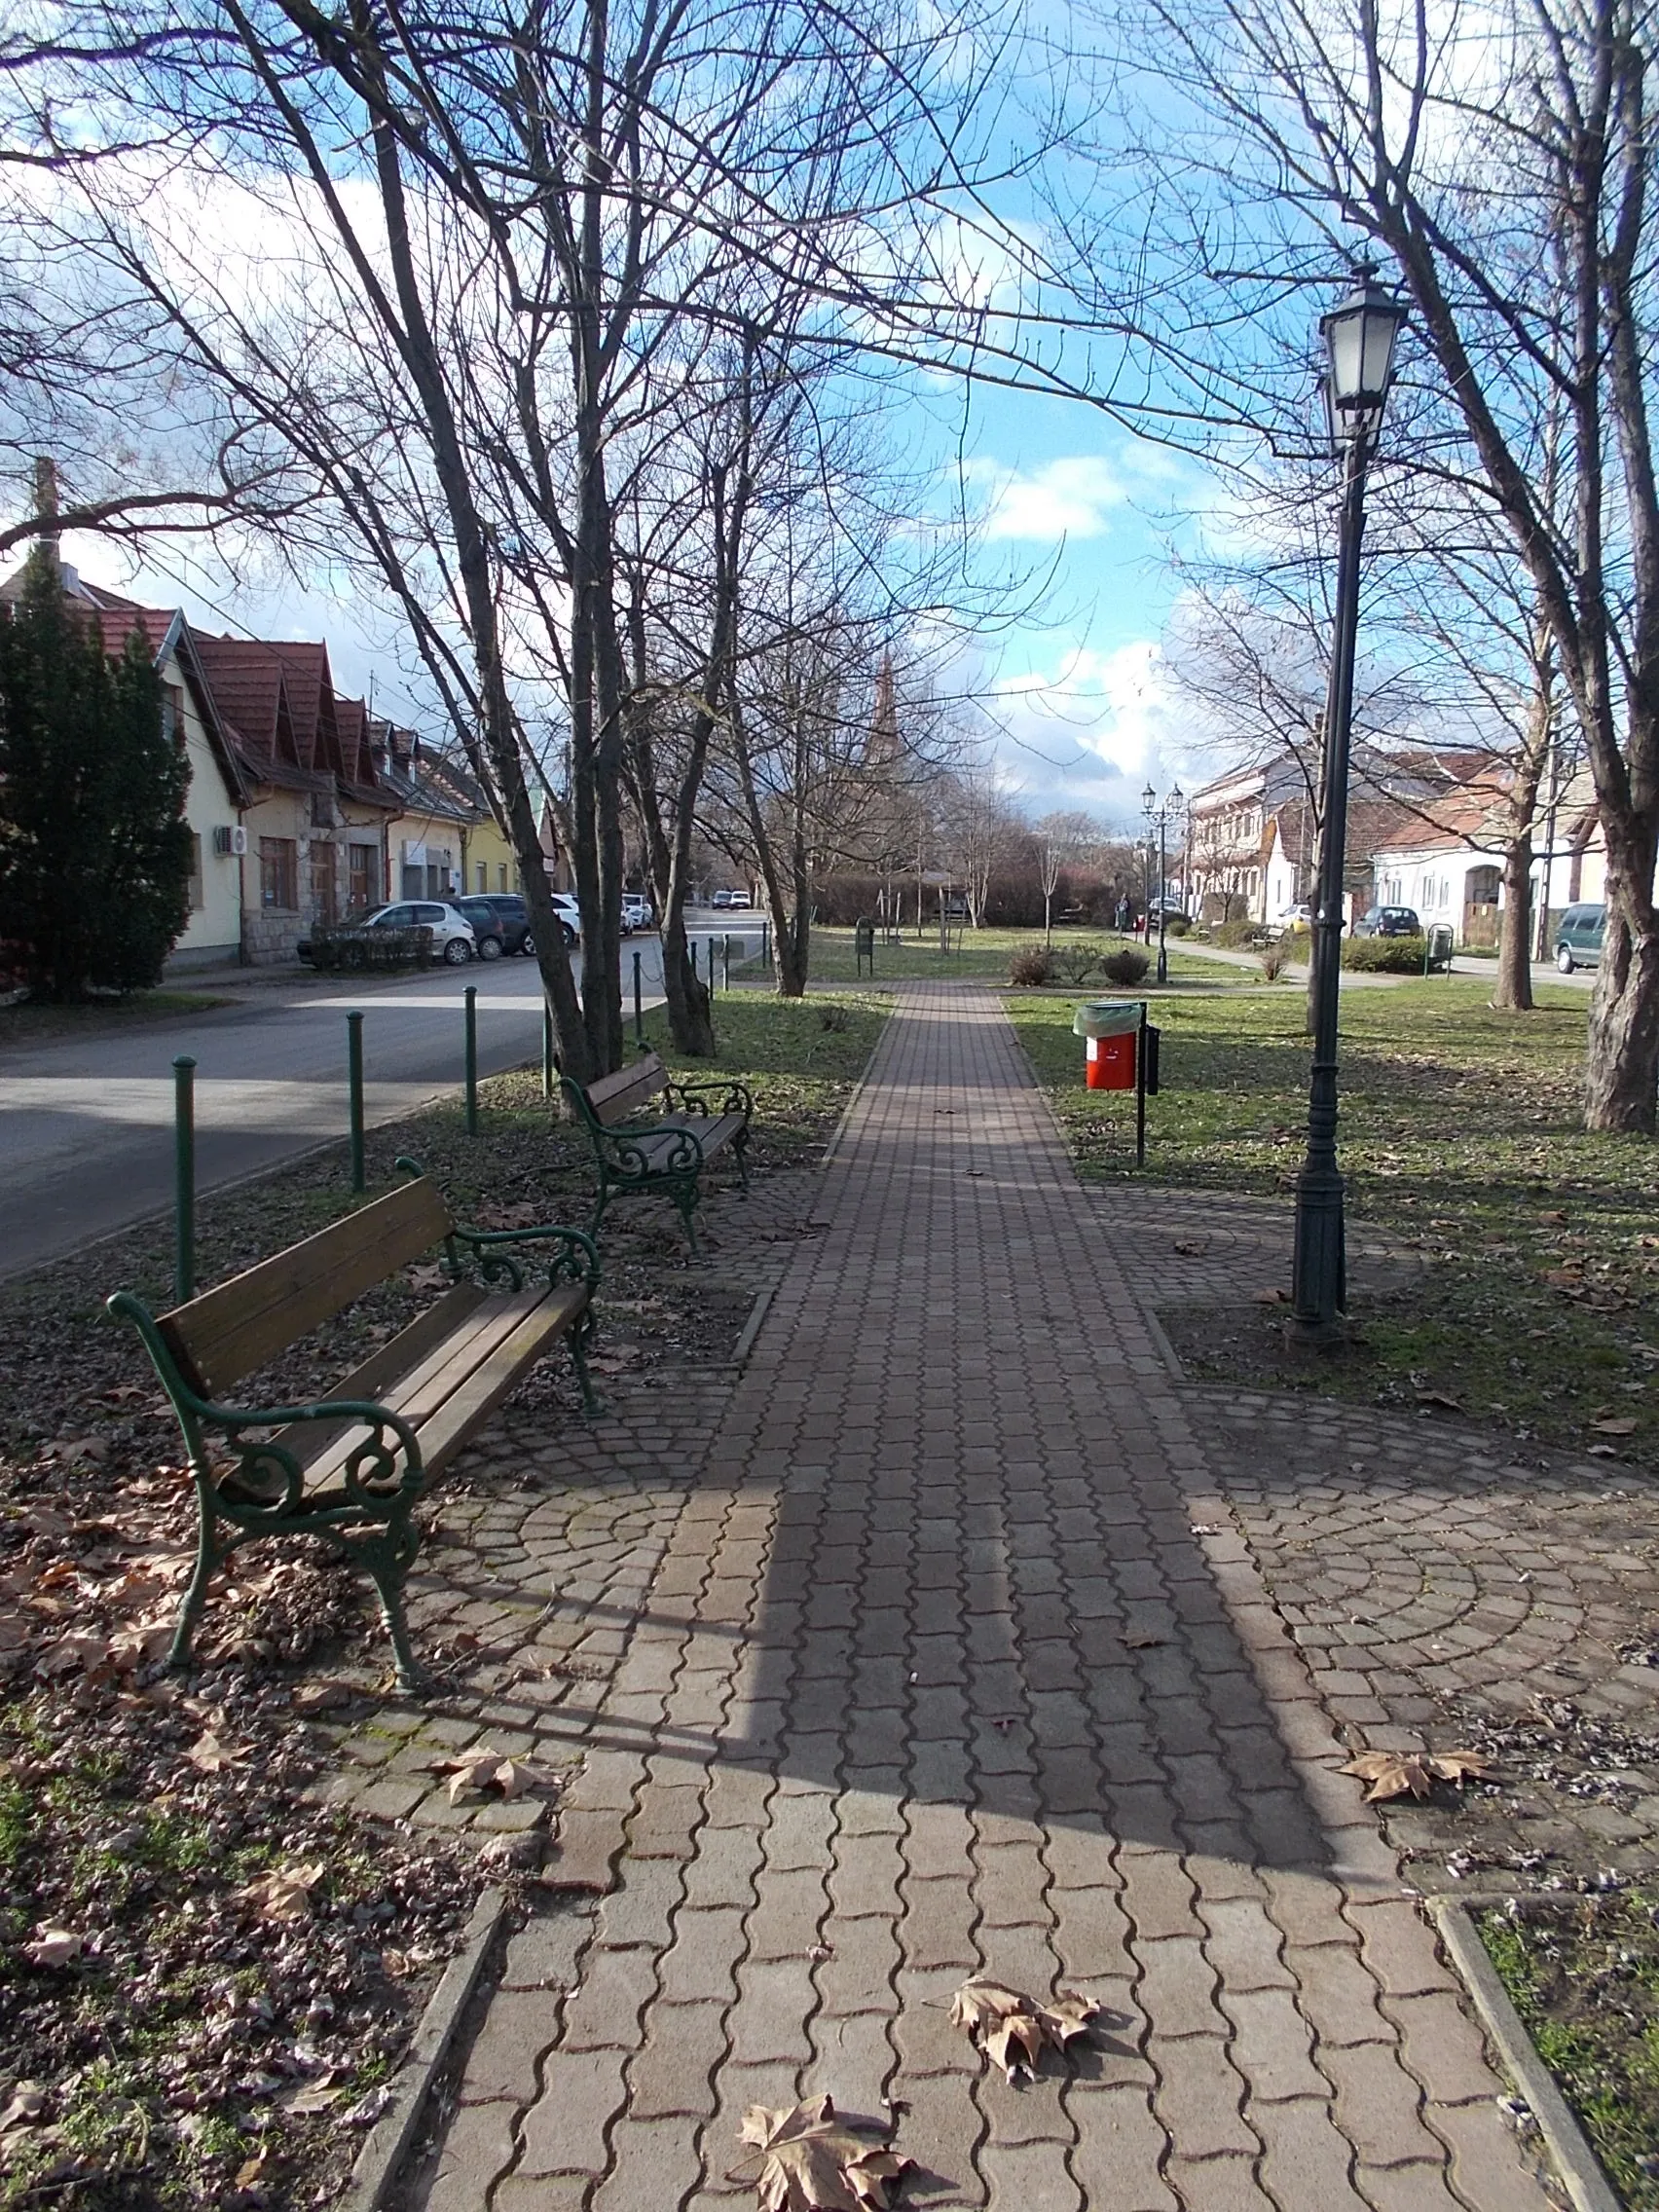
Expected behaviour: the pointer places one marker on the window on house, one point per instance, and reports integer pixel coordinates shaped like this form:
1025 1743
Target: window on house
364 863
279 874
500 876
483 875
198 891
172 711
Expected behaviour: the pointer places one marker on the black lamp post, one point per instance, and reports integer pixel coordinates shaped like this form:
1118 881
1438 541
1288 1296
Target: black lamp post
1359 339
1157 818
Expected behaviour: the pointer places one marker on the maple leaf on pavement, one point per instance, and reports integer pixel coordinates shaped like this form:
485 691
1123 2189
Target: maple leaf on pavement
1014 2030
1414 1774
809 2162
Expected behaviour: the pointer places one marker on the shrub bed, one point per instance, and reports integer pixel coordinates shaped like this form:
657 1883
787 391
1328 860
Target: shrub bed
1385 955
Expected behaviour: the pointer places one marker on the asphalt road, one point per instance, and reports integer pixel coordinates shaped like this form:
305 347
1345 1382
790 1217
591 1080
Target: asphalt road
86 1127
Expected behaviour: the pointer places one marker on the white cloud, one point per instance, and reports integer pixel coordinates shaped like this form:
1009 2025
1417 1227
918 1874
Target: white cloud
1069 497
1091 730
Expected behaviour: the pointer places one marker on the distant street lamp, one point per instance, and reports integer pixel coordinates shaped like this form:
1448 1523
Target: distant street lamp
1360 335
1158 817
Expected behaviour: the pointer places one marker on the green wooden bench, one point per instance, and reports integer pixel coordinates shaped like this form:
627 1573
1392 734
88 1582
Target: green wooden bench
351 1468
664 1157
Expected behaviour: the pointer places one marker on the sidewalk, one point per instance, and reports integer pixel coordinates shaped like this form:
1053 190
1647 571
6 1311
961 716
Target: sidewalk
939 1662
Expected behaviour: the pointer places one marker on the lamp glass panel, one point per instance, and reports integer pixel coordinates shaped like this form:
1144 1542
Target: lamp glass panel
1381 327
1344 338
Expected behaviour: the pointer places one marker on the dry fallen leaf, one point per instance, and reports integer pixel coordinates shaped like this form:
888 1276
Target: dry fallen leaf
810 2163
208 1755
285 1892
27 2105
321 1697
1615 1427
1459 1766
1014 2030
55 1947
484 1770
1402 1774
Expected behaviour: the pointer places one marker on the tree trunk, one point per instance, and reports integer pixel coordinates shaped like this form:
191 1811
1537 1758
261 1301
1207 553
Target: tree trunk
1514 989
1621 1070
691 1018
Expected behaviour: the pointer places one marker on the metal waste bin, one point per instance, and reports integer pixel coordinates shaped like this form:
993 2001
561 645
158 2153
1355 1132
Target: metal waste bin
1110 1026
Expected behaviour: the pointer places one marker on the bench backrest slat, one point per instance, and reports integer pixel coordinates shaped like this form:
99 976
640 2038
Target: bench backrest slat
613 1097
228 1331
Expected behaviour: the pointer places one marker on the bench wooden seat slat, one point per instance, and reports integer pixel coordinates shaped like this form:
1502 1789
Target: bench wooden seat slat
229 1331
665 1157
460 1415
352 1466
420 1389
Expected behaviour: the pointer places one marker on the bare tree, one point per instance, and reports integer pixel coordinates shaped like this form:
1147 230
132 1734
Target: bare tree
1499 158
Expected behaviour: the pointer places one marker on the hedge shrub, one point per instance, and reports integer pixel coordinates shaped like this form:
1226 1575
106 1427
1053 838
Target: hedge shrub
1385 955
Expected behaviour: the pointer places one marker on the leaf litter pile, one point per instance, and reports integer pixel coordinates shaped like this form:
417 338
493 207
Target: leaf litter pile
205 1978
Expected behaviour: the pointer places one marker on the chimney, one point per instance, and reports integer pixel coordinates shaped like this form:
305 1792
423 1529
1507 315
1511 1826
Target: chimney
45 505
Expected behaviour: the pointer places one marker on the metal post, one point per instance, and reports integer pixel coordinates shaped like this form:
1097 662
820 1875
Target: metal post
1163 956
766 947
691 947
472 1059
354 1096
1319 1288
638 1007
1140 1088
547 1046
184 1179
725 962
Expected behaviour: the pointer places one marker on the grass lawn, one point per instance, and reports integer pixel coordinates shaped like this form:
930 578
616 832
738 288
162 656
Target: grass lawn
1459 1136
1586 1984
981 956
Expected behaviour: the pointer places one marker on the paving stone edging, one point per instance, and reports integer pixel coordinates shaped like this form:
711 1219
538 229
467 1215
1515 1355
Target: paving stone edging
1577 2165
381 2160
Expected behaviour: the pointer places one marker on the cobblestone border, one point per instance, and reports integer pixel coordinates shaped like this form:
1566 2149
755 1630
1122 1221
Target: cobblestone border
379 2163
1577 2165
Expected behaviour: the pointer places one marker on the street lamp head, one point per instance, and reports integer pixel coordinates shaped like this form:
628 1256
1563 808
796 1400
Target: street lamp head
1359 334
1177 798
1149 803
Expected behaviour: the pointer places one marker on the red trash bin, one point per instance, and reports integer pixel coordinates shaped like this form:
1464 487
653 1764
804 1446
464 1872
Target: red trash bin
1110 1063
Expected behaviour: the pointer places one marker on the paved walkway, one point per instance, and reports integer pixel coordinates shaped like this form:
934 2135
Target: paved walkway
944 1666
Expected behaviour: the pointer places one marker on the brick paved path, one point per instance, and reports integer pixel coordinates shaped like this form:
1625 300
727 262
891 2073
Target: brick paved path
946 1666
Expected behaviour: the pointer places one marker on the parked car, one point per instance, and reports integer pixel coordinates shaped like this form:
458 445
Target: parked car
570 914
638 912
1578 938
512 910
722 899
1297 917
452 933
1388 921
488 928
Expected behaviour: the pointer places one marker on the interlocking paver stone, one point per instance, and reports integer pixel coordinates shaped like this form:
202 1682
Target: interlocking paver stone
925 1661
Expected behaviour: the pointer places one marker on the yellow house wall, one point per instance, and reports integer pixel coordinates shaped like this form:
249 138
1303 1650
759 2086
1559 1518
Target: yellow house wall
213 931
487 848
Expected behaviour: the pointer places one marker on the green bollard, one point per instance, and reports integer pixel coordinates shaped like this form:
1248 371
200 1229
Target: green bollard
638 1007
184 1179
472 1059
546 1049
354 1096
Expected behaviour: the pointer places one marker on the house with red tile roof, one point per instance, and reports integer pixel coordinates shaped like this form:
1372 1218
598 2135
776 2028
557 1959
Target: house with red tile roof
288 804
319 809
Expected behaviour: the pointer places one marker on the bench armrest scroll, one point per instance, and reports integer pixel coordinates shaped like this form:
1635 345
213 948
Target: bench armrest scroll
712 1099
496 1255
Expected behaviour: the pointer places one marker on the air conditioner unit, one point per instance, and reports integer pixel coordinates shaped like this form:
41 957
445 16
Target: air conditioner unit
229 841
